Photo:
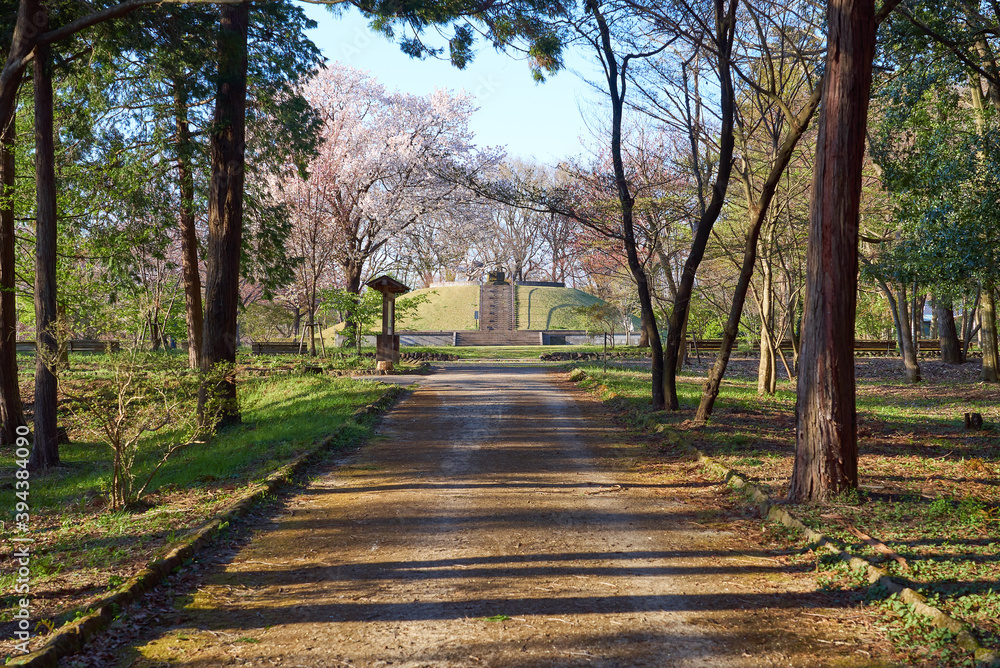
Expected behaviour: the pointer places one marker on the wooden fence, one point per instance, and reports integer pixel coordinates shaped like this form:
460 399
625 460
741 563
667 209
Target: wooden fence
861 346
76 346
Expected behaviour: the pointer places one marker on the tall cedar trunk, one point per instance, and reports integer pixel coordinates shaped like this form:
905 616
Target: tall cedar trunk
951 348
225 209
991 356
29 23
911 366
25 31
11 411
757 217
189 236
724 25
617 82
45 450
826 447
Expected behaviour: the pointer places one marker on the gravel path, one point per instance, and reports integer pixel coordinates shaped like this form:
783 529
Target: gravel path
484 528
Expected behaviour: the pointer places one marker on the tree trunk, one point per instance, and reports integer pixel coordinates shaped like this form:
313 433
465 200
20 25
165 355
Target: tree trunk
795 333
29 23
25 31
951 348
682 352
911 366
313 306
11 411
918 317
45 450
969 323
758 215
901 322
935 332
193 309
154 332
312 332
767 367
724 28
826 448
894 309
225 209
626 201
991 356
352 274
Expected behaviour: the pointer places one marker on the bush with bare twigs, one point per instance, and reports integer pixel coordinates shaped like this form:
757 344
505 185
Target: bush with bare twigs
143 406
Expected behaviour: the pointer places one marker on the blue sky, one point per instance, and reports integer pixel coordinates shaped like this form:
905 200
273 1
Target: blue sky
541 121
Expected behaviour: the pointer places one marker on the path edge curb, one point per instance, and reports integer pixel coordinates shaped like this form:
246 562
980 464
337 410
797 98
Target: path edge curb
72 637
963 636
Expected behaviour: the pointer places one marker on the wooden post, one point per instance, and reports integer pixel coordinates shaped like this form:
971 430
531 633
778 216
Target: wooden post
387 343
385 313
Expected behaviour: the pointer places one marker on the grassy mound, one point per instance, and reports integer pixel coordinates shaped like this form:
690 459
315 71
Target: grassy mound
453 308
554 308
551 308
450 308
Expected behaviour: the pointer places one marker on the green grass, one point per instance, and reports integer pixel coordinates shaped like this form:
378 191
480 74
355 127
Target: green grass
551 308
631 385
82 549
282 416
928 487
451 308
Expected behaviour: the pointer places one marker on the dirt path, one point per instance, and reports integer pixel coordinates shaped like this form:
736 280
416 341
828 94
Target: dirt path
483 529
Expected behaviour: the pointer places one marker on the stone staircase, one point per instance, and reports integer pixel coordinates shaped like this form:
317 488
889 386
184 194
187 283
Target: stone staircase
496 308
497 320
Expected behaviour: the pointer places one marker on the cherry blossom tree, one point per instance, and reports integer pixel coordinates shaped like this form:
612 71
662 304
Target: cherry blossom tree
376 173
